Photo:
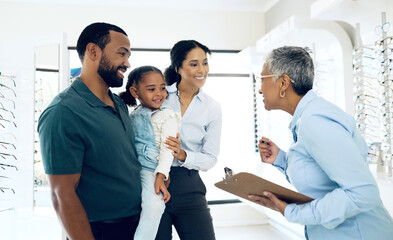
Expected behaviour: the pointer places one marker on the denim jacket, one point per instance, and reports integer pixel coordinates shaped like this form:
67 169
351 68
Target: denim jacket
145 144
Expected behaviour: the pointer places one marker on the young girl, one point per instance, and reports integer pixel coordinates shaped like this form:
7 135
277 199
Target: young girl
152 124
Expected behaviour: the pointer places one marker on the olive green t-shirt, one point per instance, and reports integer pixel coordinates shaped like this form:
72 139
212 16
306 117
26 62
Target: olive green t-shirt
81 134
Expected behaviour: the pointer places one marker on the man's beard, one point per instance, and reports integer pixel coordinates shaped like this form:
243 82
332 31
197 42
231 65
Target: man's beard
109 74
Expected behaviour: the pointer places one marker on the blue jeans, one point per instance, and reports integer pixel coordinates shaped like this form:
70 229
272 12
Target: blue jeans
152 208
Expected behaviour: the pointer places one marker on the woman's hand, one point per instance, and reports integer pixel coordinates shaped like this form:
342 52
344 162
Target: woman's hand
160 187
269 200
174 144
268 150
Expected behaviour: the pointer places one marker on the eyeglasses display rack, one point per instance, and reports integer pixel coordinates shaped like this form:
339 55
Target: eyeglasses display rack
373 96
8 144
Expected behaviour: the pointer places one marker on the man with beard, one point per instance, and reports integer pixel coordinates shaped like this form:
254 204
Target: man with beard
87 143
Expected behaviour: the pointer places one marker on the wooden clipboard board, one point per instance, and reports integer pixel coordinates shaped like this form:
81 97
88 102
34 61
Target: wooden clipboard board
244 184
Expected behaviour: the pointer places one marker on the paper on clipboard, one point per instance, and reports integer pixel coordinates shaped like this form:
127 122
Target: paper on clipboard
244 184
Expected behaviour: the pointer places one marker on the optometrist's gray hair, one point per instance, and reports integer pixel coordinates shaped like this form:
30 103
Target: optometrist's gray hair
296 62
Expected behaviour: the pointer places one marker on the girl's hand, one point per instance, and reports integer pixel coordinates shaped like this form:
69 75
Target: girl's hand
268 150
269 200
174 144
167 182
160 187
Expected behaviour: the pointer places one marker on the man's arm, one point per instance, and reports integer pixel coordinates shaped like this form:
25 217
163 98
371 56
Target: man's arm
68 207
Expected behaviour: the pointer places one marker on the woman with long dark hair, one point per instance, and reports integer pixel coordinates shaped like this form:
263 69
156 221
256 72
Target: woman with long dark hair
197 146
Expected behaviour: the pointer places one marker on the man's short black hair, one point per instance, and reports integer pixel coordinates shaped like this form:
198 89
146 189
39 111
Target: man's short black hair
97 33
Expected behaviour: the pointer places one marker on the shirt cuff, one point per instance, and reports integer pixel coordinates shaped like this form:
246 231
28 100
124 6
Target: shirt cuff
163 171
288 212
300 213
189 161
280 161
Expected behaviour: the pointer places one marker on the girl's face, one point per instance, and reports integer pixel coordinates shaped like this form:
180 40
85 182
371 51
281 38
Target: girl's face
194 68
150 90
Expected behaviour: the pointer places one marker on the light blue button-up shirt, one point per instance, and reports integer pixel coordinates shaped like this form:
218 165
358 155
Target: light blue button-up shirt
200 129
328 163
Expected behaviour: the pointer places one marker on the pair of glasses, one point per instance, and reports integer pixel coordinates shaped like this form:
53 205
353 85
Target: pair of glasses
387 50
366 88
4 98
7 154
6 120
4 188
366 91
6 110
259 78
6 87
387 41
2 165
365 97
363 106
2 76
7 143
382 28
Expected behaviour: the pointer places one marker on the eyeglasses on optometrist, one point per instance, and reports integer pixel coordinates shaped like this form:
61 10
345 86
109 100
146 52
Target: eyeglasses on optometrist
259 78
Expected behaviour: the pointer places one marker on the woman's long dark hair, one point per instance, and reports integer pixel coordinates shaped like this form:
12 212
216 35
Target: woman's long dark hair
178 55
134 78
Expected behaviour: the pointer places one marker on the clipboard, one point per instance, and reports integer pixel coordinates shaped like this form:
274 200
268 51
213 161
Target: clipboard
244 184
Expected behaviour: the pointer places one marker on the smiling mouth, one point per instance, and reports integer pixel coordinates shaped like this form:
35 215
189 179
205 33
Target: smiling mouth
200 78
121 72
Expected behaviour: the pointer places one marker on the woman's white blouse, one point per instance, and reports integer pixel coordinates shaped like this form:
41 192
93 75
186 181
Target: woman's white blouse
200 129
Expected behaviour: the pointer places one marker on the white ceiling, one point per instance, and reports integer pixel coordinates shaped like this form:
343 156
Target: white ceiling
216 5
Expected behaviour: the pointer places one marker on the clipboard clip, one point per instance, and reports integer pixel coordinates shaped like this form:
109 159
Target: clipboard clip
228 173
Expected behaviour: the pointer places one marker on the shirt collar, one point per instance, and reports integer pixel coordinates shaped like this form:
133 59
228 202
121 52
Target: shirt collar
81 88
172 89
310 95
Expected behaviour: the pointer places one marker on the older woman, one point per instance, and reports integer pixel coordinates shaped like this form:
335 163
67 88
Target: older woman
327 160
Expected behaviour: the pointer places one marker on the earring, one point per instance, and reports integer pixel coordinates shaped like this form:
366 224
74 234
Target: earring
282 94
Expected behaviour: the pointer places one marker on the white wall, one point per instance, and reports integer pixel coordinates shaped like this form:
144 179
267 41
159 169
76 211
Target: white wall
147 28
285 9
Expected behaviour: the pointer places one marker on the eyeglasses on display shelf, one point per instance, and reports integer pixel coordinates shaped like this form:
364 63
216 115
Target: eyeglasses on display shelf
373 96
8 146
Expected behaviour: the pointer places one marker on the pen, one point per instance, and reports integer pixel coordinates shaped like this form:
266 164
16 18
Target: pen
264 142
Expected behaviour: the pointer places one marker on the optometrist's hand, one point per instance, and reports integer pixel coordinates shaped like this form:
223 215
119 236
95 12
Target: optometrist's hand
268 150
160 187
174 144
269 200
